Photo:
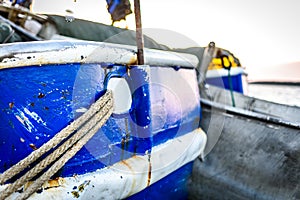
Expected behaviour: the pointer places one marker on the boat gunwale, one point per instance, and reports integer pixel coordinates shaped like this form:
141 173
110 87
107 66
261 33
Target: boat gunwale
21 54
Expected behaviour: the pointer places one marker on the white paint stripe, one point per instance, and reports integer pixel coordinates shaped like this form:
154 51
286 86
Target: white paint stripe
61 52
224 72
129 176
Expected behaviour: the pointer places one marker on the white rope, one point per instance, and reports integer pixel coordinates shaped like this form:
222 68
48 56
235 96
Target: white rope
85 126
52 143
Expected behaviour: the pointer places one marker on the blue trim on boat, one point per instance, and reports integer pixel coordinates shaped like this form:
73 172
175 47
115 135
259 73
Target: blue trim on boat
223 82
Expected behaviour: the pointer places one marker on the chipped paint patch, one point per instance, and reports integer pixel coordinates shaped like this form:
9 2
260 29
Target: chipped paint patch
21 117
77 190
81 110
35 116
11 105
54 183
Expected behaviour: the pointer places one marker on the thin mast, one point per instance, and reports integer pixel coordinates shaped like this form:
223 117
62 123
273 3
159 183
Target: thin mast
139 33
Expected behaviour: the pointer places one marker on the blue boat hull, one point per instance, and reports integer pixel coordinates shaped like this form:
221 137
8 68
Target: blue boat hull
38 101
221 79
223 82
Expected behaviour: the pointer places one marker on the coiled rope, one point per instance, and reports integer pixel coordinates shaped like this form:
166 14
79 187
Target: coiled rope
80 132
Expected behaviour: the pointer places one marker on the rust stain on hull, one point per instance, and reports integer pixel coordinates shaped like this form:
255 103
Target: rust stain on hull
57 182
54 183
77 190
127 165
33 147
11 105
149 170
133 60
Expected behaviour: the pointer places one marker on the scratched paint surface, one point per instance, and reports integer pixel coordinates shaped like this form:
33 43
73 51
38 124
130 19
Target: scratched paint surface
37 102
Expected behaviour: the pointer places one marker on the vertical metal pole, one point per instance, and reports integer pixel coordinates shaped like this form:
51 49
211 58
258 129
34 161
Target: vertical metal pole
139 32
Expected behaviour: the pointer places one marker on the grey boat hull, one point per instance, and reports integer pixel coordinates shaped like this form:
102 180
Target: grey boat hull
253 157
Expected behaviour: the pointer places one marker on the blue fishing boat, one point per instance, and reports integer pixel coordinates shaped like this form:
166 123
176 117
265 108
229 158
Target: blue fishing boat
82 120
226 71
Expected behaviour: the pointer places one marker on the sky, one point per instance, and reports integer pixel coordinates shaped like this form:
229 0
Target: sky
261 33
